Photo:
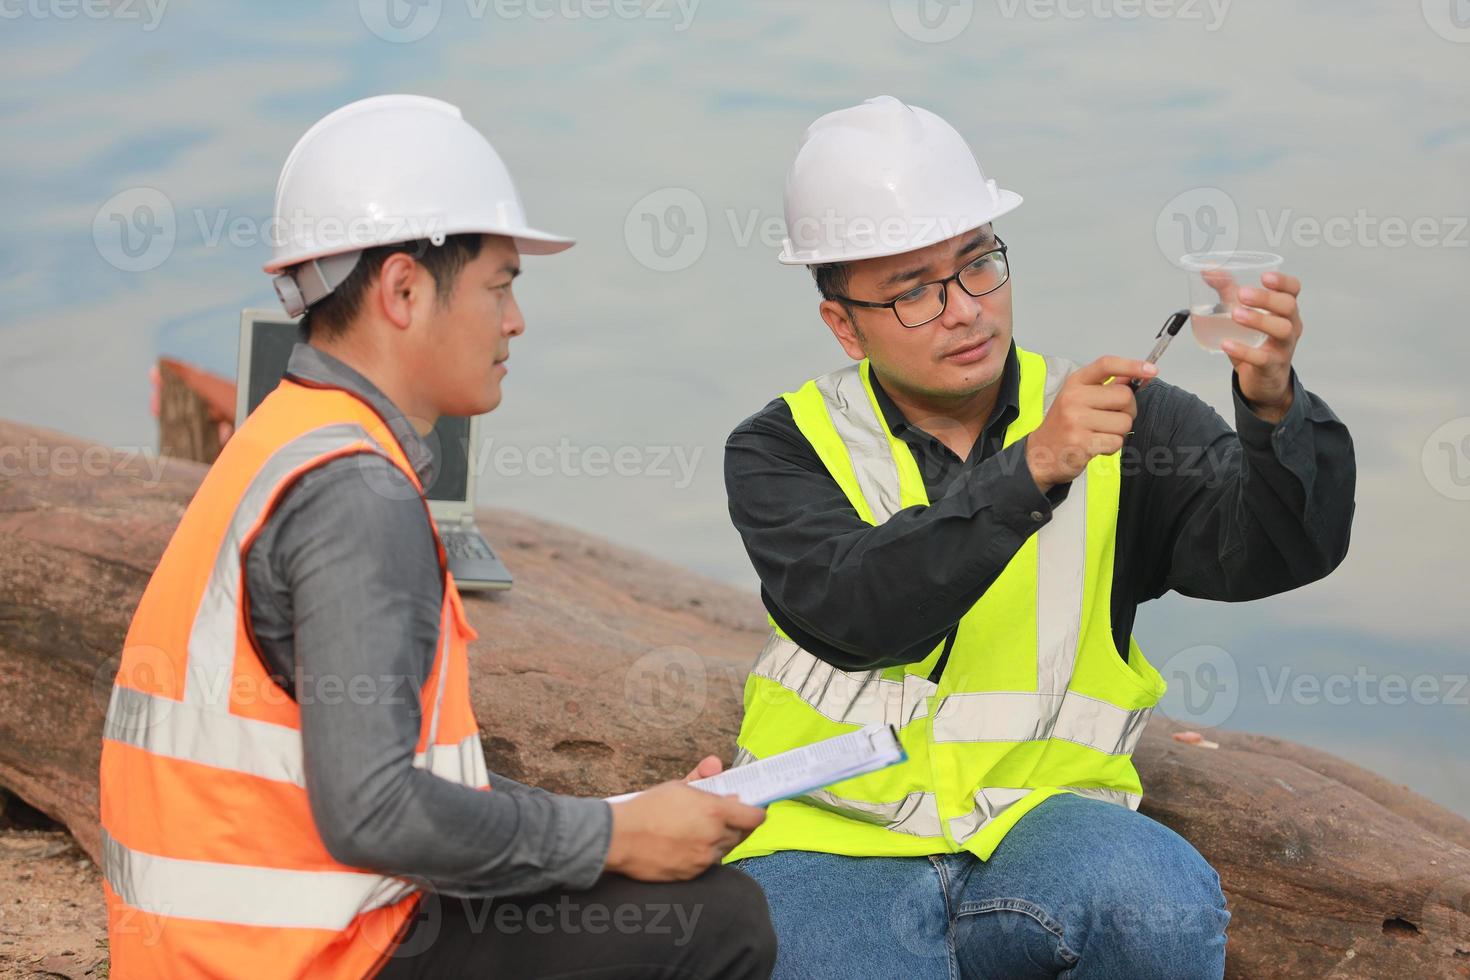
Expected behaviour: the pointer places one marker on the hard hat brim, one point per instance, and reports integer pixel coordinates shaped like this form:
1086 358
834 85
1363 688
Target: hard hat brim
529 241
1006 202
532 242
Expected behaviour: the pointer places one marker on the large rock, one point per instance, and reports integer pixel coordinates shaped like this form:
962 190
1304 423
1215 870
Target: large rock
601 671
604 670
1331 871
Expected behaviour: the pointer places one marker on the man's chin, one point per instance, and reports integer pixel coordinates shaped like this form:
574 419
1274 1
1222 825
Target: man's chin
961 380
482 405
486 401
491 400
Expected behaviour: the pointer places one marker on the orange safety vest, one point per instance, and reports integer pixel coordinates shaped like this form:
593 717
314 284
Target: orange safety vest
212 863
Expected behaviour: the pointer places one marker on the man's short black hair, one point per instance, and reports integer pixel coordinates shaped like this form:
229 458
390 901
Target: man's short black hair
329 317
832 279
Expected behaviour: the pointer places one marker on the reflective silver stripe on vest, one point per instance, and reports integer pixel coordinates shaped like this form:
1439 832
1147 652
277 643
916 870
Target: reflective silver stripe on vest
463 761
212 639
916 814
992 801
1114 796
180 730
851 411
845 697
1061 567
1020 716
243 894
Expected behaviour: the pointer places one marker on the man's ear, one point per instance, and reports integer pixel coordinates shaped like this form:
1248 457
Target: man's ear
397 288
839 320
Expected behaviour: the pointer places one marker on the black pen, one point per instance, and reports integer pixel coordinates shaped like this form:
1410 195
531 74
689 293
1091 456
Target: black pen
1166 333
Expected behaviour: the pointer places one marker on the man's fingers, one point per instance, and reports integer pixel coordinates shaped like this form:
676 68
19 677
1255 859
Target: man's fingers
738 816
1113 367
710 765
1112 423
1239 353
731 838
1282 281
1223 283
1110 398
1281 303
1271 326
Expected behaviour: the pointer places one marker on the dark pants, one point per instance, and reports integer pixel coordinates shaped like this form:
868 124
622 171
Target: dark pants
716 925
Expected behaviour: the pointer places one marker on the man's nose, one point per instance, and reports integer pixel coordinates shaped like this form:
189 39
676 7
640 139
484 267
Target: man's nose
960 308
514 324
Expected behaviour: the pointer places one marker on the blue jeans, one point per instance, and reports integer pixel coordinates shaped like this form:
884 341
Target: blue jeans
1078 889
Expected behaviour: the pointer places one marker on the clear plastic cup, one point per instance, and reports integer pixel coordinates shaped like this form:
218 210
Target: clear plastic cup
1214 278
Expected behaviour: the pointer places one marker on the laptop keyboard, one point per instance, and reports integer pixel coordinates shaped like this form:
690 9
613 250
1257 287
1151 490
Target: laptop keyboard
458 545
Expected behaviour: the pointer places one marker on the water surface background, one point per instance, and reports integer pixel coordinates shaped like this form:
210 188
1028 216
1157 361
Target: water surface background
142 148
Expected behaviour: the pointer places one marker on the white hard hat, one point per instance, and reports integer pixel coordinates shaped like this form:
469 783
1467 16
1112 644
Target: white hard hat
389 169
883 178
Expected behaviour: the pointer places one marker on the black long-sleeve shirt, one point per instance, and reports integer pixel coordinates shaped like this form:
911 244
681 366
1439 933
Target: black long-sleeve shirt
1203 510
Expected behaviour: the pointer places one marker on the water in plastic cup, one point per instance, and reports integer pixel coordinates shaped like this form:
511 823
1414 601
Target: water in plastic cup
1213 279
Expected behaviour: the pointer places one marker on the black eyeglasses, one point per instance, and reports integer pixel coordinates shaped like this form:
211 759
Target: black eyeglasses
986 273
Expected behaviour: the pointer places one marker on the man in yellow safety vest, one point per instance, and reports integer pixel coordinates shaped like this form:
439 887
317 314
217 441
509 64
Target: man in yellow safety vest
952 535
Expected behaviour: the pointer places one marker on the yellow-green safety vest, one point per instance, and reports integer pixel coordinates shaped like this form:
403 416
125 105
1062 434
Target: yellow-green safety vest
1033 699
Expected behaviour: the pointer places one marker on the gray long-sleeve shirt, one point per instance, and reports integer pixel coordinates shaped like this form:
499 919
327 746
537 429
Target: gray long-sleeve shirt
344 583
1204 511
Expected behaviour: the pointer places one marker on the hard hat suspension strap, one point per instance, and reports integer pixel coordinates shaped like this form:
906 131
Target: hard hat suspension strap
302 285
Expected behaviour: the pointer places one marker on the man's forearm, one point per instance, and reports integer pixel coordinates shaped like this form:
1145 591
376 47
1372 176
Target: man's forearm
408 822
1275 509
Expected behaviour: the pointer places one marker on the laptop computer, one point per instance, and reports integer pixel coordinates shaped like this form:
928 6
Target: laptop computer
266 339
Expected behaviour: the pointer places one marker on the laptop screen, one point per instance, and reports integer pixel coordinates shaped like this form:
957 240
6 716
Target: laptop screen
270 348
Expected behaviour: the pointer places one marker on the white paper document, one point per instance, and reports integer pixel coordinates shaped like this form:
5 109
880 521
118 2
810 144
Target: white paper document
802 770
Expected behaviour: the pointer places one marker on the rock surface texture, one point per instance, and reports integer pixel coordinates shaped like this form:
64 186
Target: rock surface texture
604 670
